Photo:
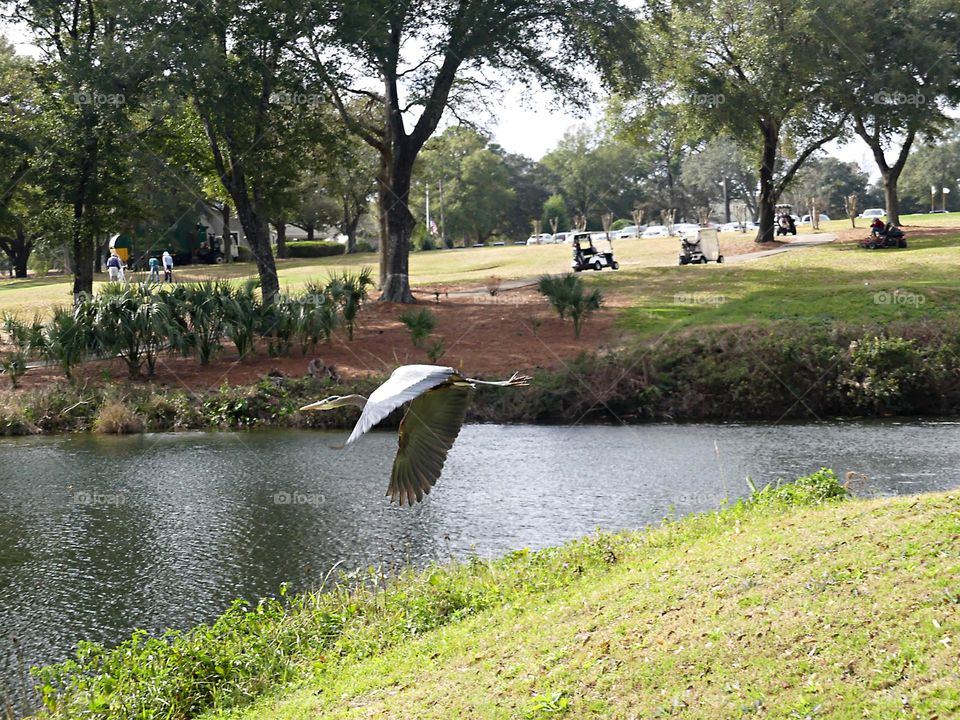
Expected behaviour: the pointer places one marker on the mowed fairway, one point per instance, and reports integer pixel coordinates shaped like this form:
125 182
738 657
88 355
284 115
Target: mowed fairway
829 283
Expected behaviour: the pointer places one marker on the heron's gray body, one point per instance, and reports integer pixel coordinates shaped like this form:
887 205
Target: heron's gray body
405 384
438 398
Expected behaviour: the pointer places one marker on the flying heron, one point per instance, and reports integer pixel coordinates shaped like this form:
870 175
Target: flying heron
438 399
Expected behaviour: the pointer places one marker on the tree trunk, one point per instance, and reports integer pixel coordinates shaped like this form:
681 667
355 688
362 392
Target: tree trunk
350 222
310 231
395 264
889 173
891 195
82 258
768 197
257 230
17 249
281 238
227 237
383 204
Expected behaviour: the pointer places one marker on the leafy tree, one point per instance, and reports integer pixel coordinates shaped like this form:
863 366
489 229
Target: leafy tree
555 208
527 179
242 51
593 172
932 165
98 59
704 171
348 179
828 180
478 200
757 72
456 43
899 78
17 145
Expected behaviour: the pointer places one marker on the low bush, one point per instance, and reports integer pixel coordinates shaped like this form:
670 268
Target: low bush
420 323
364 247
117 418
568 296
816 489
314 248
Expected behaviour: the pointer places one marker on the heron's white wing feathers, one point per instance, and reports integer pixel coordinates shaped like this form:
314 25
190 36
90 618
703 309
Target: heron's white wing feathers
406 383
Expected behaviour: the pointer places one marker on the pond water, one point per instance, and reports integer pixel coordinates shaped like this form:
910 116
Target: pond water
101 535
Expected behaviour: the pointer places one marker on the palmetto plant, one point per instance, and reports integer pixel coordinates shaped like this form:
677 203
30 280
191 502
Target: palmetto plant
67 337
241 316
349 291
319 311
20 338
135 324
569 298
202 307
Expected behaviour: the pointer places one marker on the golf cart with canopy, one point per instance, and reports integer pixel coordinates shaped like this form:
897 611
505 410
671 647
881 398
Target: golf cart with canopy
587 257
786 223
700 247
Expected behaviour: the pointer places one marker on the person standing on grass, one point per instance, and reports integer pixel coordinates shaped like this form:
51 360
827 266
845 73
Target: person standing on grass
154 270
167 266
114 266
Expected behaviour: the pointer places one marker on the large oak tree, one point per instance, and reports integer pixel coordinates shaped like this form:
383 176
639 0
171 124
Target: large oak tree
759 72
428 56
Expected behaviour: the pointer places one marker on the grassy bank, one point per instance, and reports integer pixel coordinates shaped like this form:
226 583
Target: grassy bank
791 604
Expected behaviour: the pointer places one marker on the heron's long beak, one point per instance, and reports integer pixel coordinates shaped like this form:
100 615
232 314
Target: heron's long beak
318 405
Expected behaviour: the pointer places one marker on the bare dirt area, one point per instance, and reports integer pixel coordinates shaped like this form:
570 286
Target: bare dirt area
483 335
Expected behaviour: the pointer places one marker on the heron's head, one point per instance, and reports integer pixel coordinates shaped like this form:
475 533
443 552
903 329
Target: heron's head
336 401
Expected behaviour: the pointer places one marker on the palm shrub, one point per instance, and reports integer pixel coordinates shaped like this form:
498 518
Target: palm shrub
175 298
241 316
420 323
569 298
320 314
203 308
68 338
349 291
14 361
134 324
281 325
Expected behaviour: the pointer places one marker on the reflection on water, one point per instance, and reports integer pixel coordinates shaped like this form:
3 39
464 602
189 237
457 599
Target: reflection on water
101 535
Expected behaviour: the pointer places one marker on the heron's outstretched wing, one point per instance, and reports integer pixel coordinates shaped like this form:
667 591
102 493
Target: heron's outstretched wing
427 433
406 383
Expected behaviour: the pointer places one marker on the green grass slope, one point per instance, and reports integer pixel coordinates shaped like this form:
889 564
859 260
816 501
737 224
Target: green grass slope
843 610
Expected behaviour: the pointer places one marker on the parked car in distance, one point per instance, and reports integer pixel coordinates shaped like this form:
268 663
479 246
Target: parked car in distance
873 213
541 239
687 228
631 231
655 231
806 219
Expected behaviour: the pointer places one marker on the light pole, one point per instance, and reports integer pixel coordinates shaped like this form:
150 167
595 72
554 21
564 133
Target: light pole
943 195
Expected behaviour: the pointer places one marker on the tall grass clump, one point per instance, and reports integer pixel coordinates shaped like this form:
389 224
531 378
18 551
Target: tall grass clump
115 417
568 296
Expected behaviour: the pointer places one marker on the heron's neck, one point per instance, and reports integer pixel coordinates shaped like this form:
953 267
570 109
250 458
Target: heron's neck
359 400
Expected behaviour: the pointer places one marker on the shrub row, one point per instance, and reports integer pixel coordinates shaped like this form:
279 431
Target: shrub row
138 322
314 248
